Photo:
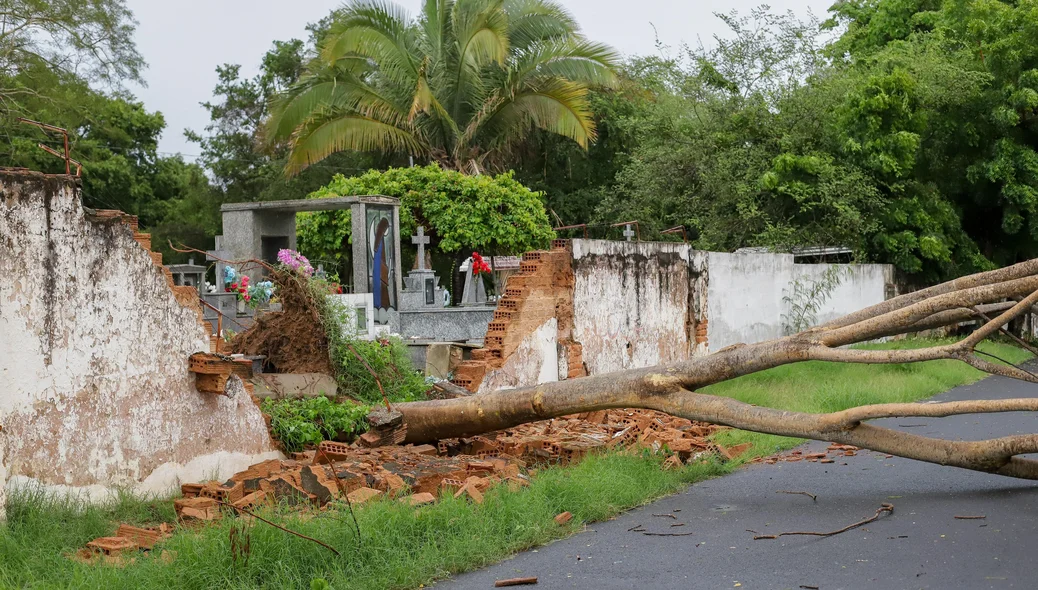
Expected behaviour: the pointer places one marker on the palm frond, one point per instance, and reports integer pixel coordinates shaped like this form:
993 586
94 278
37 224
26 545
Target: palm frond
530 21
321 138
555 105
575 59
436 28
342 92
378 30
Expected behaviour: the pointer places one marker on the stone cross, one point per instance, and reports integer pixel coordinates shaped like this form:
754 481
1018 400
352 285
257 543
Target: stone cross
420 240
628 232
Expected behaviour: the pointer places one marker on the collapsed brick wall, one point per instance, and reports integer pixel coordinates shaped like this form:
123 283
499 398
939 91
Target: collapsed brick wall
94 354
535 314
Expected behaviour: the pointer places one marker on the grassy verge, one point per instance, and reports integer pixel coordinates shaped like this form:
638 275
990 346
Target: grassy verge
402 547
830 387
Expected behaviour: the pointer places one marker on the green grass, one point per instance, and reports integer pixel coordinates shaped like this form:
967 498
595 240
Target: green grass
830 387
402 547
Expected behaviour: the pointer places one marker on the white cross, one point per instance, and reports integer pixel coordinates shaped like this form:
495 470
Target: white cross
420 240
628 232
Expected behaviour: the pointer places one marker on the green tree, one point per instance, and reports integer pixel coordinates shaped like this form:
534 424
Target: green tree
91 40
241 166
462 213
462 85
63 62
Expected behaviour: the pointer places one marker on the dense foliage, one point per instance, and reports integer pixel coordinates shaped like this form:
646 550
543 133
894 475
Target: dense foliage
903 129
462 85
461 213
301 423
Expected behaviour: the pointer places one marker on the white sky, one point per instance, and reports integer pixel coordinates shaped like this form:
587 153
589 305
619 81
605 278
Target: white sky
184 41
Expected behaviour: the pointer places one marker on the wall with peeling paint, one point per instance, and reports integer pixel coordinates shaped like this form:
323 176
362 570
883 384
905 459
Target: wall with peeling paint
631 303
535 361
94 348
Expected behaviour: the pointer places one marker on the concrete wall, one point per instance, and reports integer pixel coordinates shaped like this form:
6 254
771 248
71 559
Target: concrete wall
95 391
631 303
638 304
745 293
445 324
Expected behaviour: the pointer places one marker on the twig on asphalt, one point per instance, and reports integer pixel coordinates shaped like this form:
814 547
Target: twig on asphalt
666 516
888 508
808 494
515 582
648 534
971 517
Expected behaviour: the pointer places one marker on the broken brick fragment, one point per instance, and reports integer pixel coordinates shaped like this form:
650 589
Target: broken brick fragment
330 450
143 538
737 450
671 462
363 495
112 545
284 491
252 500
223 493
316 480
202 509
470 490
563 518
424 450
420 499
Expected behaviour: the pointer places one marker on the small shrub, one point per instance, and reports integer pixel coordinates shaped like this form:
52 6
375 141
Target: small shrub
299 423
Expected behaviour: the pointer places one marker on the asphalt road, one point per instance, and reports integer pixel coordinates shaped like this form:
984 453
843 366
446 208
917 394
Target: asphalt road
920 545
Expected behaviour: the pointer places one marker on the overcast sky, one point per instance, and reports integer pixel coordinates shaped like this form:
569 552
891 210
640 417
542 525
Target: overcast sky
184 41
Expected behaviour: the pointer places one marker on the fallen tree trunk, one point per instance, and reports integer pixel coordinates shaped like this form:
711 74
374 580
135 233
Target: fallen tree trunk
671 388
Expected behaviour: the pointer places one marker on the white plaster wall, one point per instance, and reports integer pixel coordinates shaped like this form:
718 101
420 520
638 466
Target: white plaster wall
744 297
94 388
535 361
745 294
861 285
630 303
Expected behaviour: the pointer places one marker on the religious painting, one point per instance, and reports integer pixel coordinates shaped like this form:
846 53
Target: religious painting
381 266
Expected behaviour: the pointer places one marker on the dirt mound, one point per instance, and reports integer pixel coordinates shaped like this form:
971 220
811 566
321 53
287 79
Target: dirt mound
293 340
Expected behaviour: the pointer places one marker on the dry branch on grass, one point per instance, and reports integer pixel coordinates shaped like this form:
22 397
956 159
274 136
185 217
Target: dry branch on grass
1008 292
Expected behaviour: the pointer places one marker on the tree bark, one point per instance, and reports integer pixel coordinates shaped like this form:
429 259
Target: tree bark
671 387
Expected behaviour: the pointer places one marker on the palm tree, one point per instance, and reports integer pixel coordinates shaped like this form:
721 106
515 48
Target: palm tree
462 85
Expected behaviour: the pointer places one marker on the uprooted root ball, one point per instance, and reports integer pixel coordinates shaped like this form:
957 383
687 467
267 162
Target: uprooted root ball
294 339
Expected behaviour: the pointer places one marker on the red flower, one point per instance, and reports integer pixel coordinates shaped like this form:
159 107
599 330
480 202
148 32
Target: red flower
234 286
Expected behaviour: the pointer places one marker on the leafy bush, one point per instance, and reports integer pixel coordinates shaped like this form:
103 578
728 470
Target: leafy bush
299 423
496 214
388 358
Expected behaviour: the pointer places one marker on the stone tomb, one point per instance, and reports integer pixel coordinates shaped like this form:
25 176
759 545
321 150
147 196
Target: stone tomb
260 230
422 288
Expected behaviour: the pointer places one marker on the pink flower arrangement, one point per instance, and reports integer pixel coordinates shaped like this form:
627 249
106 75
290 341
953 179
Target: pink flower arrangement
296 262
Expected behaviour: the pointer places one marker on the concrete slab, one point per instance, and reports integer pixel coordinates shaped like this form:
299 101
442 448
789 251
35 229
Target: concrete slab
294 385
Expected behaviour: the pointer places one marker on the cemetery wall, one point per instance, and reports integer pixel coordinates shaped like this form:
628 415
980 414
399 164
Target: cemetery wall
639 304
94 349
631 303
746 293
